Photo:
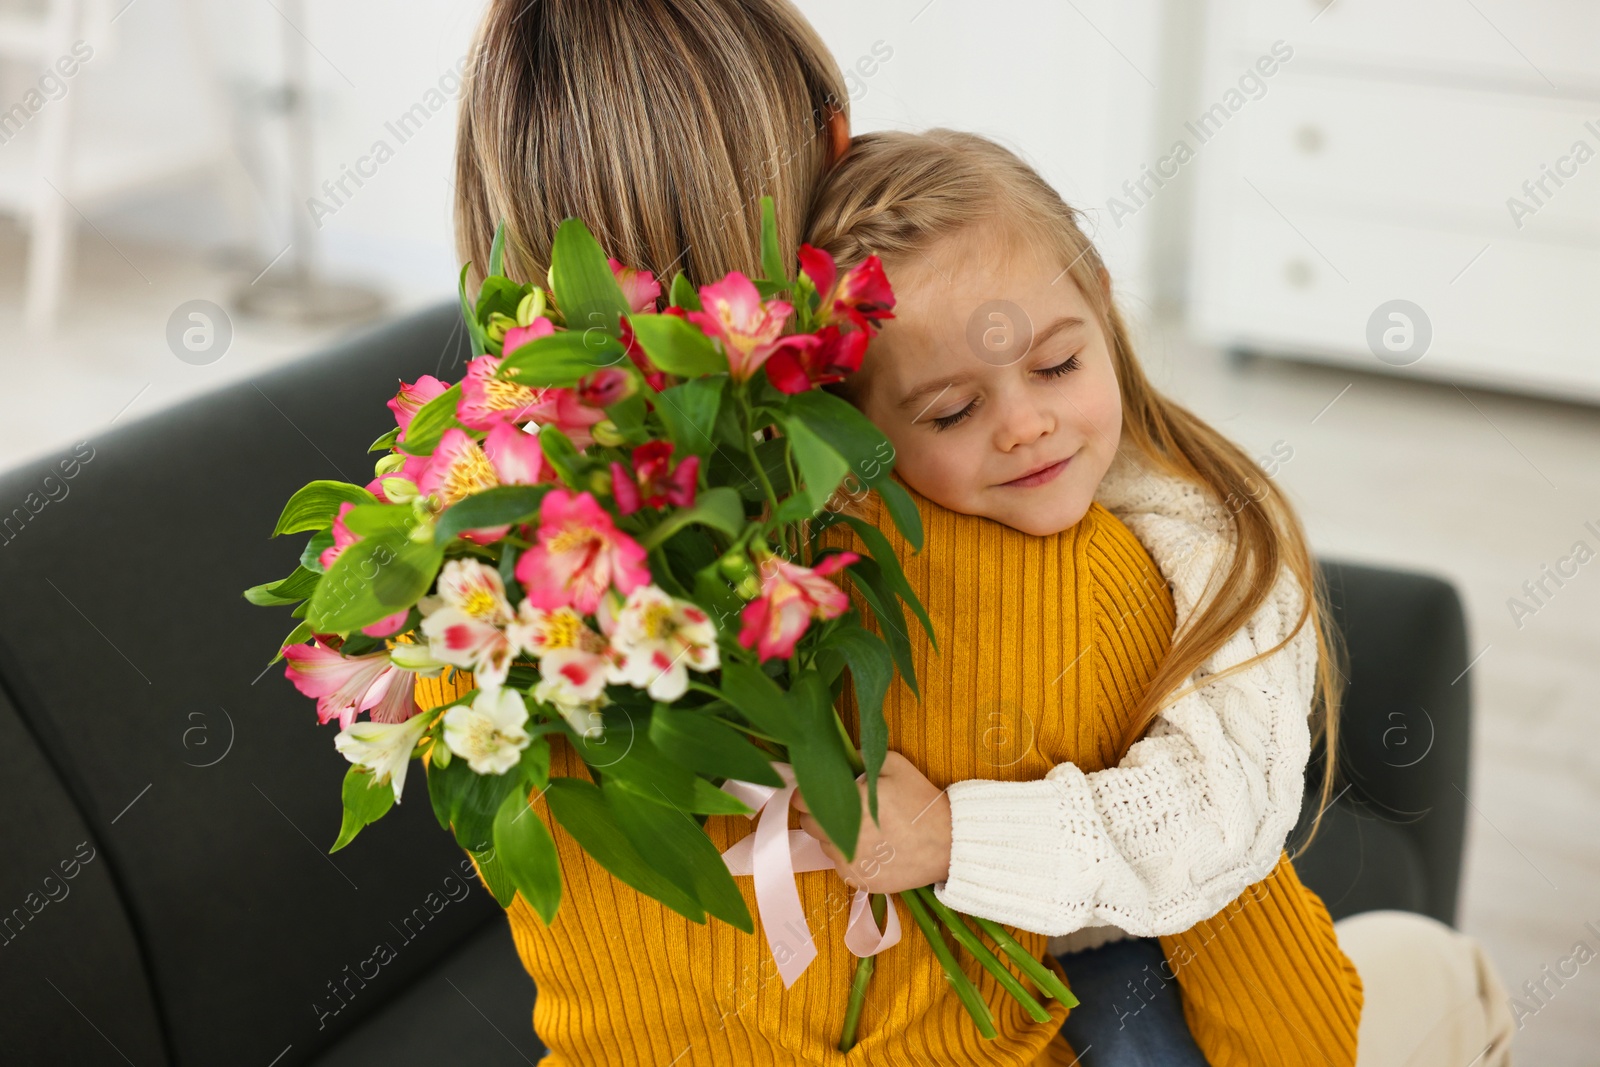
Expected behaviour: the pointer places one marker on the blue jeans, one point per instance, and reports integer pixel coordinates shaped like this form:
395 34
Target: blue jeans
1130 1012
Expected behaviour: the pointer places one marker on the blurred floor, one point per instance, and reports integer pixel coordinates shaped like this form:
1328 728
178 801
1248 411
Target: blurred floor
1480 488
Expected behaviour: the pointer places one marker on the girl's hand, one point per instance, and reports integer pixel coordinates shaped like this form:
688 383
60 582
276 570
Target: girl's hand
908 847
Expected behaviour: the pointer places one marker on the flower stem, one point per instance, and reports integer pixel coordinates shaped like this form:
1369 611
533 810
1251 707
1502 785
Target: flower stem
1043 977
858 985
969 940
952 970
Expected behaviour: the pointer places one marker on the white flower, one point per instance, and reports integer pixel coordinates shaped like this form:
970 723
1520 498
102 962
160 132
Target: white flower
383 747
464 622
573 658
490 734
656 638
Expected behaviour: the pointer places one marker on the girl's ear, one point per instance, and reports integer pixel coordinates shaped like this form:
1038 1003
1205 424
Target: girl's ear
1105 282
838 135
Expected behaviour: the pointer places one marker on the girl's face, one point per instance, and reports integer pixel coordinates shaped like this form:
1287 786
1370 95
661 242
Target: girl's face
994 383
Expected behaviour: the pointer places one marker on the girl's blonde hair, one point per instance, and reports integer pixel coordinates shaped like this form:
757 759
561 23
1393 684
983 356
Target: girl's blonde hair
660 123
894 194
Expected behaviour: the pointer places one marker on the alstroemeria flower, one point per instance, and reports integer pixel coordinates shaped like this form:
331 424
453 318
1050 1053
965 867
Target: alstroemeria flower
411 471
461 467
806 360
791 596
573 658
387 626
487 401
342 537
735 317
604 387
863 295
657 482
410 399
580 555
383 747
465 622
490 734
658 638
342 685
518 336
639 287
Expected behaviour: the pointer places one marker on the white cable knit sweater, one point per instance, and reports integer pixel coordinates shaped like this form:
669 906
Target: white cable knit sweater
1199 808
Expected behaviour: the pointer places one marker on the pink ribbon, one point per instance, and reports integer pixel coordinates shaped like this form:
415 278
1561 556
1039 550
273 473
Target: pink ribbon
774 854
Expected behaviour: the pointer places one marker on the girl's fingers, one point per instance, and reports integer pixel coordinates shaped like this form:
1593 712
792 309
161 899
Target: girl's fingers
798 801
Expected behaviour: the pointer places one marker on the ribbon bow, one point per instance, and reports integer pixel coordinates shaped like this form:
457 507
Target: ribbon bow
774 854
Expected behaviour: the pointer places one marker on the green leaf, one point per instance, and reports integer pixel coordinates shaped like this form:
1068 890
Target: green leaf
375 520
889 564
314 506
681 852
319 543
689 412
822 468
386 442
771 256
625 753
868 577
719 508
495 878
431 421
822 767
562 454
296 636
709 800
499 294
373 579
290 590
561 358
446 780
903 510
683 294
535 763
497 251
582 811
480 340
478 801
758 698
871 668
527 852
705 744
492 507
365 802
677 346
586 290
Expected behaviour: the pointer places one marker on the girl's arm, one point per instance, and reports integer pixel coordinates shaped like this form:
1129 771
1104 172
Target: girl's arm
1197 810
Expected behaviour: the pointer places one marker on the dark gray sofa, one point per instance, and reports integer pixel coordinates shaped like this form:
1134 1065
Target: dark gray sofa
167 896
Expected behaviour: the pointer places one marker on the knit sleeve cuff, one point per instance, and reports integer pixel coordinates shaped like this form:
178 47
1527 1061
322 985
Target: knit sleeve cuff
1010 859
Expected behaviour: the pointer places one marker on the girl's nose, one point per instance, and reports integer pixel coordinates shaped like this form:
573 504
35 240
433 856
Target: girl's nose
1023 422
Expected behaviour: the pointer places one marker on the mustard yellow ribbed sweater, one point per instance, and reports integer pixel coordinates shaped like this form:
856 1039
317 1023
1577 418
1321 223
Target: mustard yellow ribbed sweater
1046 644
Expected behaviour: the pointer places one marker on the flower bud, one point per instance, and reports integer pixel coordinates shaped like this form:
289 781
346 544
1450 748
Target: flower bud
600 482
605 433
735 565
417 658
749 587
530 307
497 326
388 464
399 490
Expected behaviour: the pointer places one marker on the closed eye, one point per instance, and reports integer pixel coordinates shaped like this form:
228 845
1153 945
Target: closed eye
1067 366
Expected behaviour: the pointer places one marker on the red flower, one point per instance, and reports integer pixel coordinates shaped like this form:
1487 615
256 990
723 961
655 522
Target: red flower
657 482
863 295
806 360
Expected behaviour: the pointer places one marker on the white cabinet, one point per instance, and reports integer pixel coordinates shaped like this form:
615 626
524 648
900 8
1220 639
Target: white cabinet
1446 154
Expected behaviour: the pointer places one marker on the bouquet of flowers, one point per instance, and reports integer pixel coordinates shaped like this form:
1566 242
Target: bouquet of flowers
611 522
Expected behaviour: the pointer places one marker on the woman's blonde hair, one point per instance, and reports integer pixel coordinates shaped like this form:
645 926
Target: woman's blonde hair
661 123
895 193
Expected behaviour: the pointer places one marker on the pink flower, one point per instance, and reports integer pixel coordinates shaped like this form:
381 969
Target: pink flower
342 537
639 287
410 399
806 360
518 336
603 388
737 319
657 483
863 295
346 685
791 596
580 555
487 401
387 626
461 467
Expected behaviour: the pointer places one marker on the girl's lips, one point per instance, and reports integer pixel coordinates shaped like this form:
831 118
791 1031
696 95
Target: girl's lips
1039 477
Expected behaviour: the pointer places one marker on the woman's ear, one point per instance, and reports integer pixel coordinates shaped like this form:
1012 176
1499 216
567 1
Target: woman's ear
838 133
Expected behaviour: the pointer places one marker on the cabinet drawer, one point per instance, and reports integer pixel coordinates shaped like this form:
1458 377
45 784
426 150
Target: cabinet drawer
1549 46
1429 155
1522 315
